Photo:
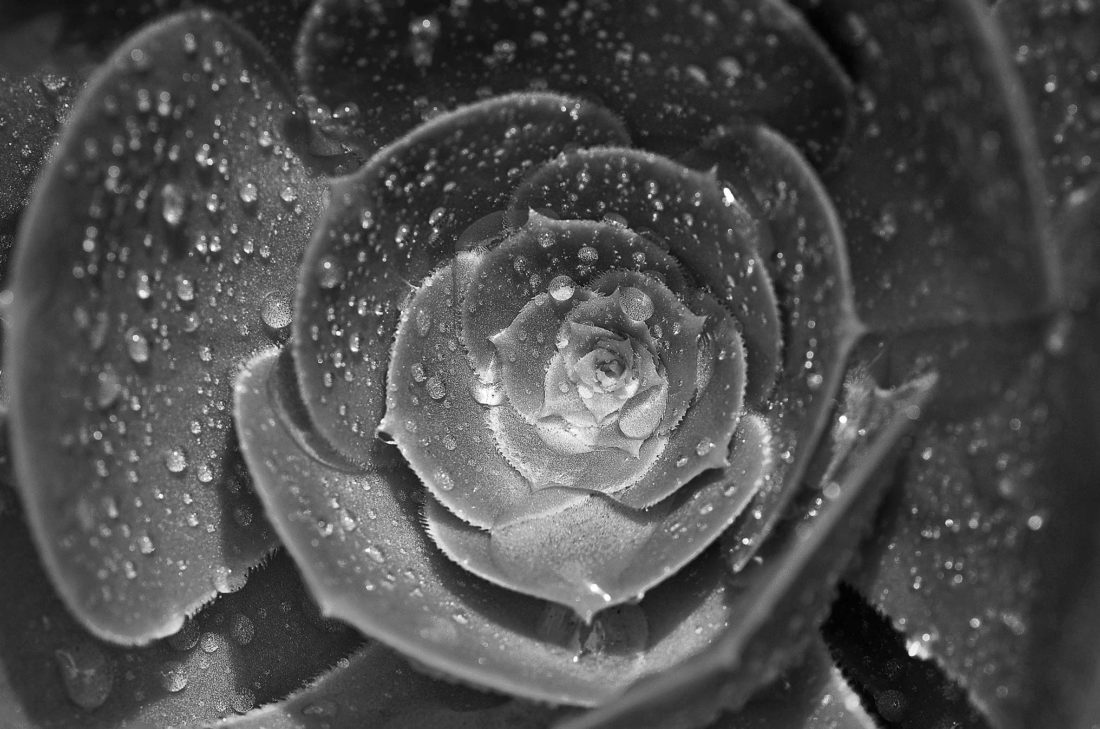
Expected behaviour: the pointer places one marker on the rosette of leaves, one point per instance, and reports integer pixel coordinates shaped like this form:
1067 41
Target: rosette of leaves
570 347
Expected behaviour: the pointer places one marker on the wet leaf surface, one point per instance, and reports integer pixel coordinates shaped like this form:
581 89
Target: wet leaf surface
940 199
244 650
1055 44
711 235
673 72
804 252
360 539
985 557
186 213
397 220
780 598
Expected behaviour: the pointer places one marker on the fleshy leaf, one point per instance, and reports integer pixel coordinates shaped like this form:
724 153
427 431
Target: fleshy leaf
394 222
186 206
594 553
699 441
432 413
988 555
808 264
674 72
363 550
245 649
942 200
685 212
377 688
530 261
781 597
1056 44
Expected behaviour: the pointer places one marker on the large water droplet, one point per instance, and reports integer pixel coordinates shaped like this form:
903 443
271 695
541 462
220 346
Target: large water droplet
275 310
87 674
173 676
562 288
635 303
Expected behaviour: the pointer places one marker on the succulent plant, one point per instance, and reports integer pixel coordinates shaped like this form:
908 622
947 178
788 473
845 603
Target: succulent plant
505 363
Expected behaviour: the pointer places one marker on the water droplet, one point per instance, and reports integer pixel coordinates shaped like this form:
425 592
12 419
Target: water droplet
145 544
704 447
173 203
249 193
436 389
175 460
275 310
588 254
209 643
185 289
144 287
450 442
635 303
174 676
561 288
137 346
288 195
87 674
330 272
242 629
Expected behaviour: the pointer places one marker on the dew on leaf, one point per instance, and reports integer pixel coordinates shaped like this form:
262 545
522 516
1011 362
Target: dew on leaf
137 346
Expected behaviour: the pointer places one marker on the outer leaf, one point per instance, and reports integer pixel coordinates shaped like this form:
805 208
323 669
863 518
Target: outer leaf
358 537
393 223
784 594
941 199
987 560
376 688
1056 44
808 264
172 263
674 71
245 649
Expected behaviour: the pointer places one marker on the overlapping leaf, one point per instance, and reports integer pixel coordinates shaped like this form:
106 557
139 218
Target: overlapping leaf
185 210
941 197
246 649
